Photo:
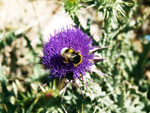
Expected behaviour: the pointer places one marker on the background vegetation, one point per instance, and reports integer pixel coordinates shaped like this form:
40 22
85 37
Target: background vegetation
124 28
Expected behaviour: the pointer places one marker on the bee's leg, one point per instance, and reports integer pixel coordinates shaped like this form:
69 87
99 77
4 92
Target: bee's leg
66 82
75 65
71 48
65 61
78 51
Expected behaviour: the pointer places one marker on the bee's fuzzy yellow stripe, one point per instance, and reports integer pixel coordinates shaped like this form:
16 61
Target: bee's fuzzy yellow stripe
81 59
70 51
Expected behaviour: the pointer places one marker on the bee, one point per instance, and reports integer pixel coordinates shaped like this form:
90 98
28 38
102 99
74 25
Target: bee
71 56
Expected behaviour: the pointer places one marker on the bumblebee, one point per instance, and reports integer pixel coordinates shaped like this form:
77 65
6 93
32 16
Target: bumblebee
71 56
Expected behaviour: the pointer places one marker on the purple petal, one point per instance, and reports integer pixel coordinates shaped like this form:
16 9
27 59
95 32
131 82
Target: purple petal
94 69
84 80
66 82
96 59
96 49
78 84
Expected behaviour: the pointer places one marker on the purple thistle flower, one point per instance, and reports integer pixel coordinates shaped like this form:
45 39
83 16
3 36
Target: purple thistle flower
79 43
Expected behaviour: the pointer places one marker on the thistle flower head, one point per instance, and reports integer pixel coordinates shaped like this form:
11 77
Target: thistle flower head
67 54
69 38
